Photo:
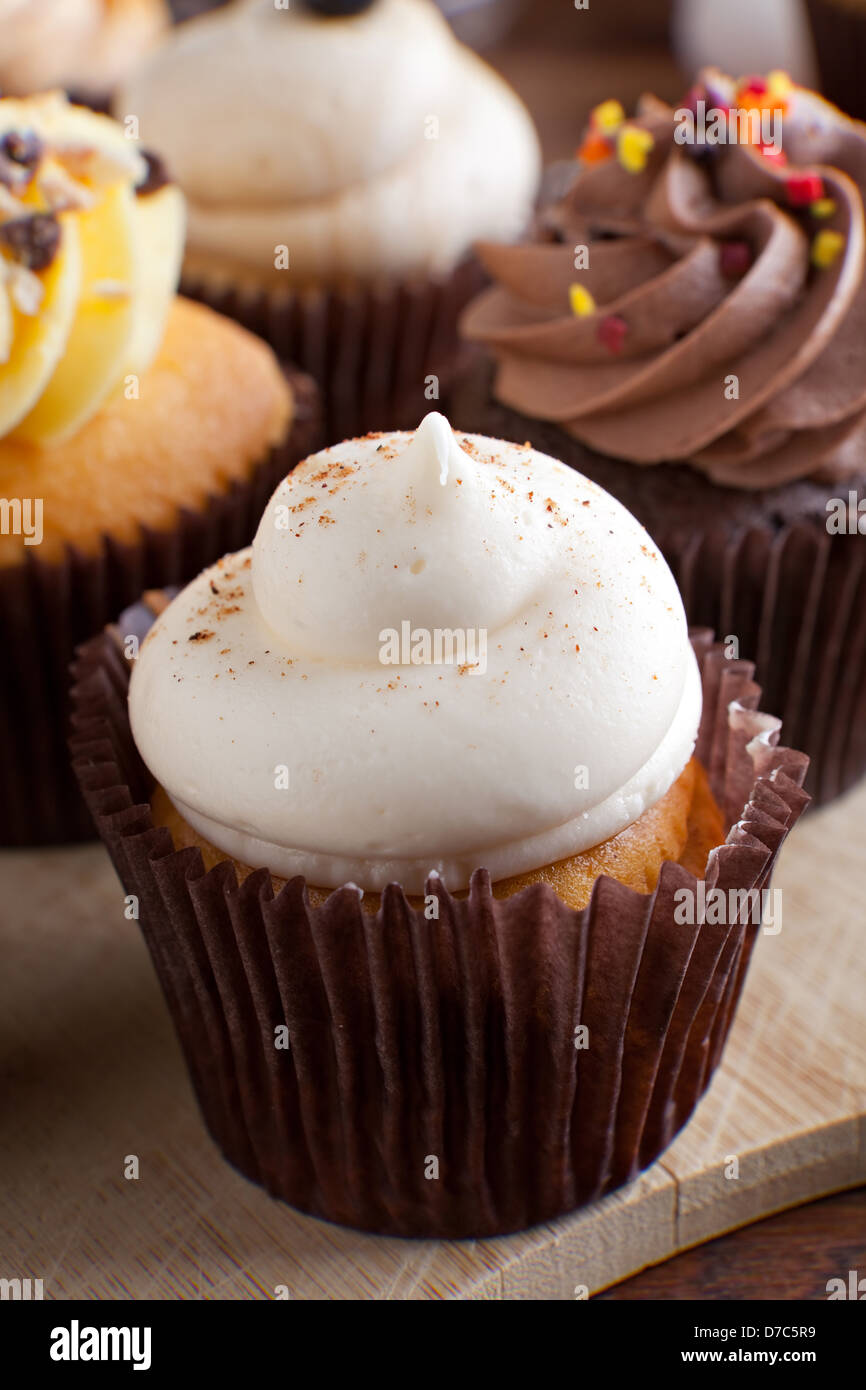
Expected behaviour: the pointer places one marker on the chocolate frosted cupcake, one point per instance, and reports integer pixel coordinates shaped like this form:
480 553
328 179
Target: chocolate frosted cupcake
415 795
688 330
338 167
87 46
139 433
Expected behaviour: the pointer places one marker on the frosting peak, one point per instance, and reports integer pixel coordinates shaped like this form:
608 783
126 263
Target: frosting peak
460 653
395 528
698 294
434 435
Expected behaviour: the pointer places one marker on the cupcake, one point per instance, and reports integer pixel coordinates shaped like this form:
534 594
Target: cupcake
687 328
338 168
423 797
839 31
140 434
87 46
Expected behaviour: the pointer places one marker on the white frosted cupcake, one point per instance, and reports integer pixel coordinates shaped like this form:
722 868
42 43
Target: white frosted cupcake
338 169
416 783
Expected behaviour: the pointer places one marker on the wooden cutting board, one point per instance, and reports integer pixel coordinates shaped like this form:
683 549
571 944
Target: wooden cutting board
90 1073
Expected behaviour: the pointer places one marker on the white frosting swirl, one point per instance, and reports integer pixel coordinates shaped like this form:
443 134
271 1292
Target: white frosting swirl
369 145
576 709
86 44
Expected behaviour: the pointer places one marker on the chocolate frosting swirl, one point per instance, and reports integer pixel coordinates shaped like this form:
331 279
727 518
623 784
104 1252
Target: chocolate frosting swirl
792 332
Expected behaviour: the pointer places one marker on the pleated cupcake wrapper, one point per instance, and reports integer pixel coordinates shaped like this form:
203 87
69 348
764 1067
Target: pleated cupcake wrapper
46 610
795 598
369 348
432 1086
839 31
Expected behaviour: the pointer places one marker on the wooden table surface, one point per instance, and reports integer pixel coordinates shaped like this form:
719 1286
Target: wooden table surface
90 1074
789 1256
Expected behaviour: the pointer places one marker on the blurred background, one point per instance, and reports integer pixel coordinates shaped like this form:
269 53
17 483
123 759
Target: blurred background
563 60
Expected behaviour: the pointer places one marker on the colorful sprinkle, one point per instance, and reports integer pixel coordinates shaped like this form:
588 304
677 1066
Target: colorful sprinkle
33 241
779 83
633 146
823 207
759 96
735 258
581 301
754 84
803 189
826 246
607 116
595 149
612 331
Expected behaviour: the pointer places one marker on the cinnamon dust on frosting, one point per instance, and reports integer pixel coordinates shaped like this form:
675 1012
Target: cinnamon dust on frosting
401 760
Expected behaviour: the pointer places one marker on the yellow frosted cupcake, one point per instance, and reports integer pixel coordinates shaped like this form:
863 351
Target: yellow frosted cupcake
138 431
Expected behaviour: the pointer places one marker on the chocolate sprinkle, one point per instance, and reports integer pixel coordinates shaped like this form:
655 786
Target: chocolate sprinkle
22 147
156 177
33 240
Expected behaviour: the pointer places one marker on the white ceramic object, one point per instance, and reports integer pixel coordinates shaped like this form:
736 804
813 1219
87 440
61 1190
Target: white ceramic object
744 36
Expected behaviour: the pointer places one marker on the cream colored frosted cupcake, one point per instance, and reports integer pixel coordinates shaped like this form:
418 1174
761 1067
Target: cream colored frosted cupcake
575 656
414 792
338 170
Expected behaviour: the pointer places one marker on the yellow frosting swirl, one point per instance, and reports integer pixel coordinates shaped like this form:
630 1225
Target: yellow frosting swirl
89 263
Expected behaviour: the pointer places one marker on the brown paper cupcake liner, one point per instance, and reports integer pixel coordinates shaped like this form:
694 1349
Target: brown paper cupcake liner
370 349
795 598
46 610
432 1085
